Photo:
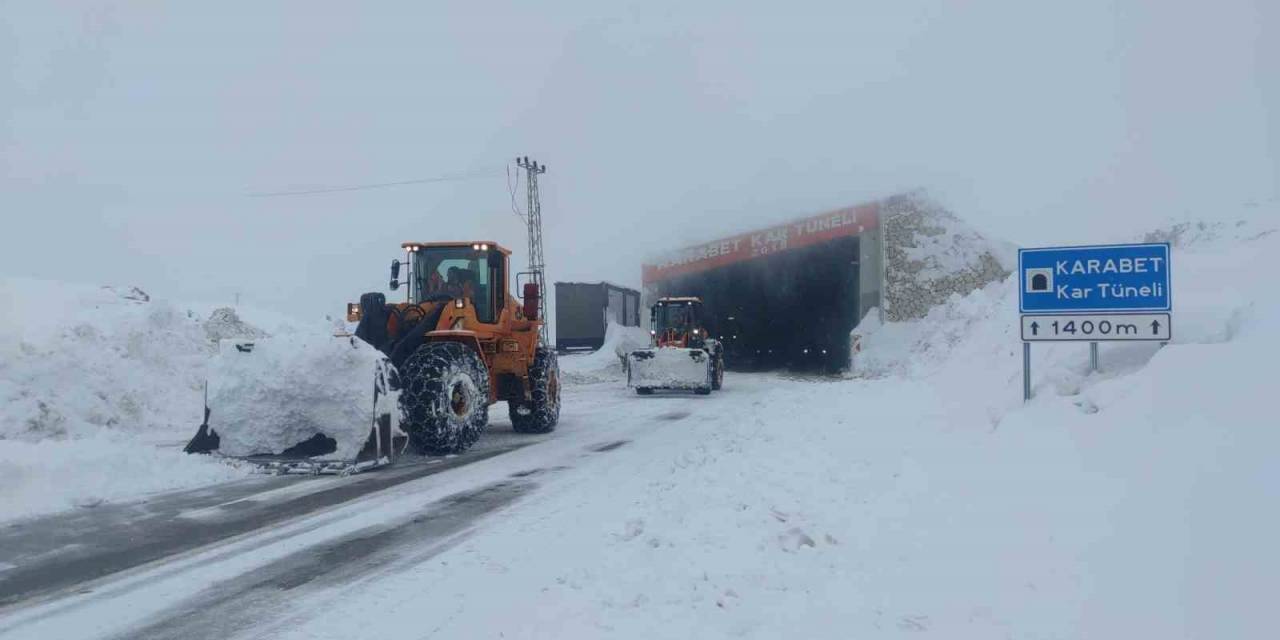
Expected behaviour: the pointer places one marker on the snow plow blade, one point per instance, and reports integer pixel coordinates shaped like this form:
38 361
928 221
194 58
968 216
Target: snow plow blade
309 406
669 368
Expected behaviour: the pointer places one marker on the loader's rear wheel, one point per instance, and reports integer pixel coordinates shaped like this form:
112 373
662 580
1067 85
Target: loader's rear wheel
705 389
541 414
717 374
444 397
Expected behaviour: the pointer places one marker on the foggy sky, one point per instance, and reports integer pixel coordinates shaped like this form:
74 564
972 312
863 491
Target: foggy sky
131 133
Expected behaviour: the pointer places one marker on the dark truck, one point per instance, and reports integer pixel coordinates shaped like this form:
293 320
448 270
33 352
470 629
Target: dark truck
584 309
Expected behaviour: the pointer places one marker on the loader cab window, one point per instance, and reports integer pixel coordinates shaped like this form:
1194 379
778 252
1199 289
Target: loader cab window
677 316
458 272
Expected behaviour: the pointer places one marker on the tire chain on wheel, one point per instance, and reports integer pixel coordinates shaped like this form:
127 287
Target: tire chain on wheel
542 413
427 379
717 364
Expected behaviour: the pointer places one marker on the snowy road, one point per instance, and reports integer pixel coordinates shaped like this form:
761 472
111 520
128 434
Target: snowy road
221 560
923 498
69 549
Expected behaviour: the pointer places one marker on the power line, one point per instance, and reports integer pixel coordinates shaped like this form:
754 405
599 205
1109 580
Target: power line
511 189
481 175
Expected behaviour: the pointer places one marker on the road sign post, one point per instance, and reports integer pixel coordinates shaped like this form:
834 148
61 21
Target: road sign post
1099 293
1026 371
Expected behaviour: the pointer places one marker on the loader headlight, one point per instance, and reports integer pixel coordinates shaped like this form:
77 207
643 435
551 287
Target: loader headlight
459 303
653 332
695 332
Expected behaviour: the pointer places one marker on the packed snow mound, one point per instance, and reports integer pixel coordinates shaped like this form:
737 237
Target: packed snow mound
76 360
100 386
671 369
287 389
79 359
607 362
932 254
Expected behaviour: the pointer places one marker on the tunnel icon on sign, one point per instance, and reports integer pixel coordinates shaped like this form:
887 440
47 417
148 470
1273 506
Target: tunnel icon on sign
1039 280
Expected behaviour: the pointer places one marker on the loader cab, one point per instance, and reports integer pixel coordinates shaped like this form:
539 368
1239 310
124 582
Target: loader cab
678 321
474 272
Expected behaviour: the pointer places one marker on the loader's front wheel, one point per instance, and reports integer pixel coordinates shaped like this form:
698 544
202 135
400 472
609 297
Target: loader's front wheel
717 372
444 397
540 414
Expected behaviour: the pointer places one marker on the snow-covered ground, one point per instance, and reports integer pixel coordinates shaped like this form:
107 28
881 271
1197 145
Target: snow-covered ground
920 495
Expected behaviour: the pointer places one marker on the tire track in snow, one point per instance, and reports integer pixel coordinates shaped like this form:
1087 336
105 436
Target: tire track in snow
254 602
51 554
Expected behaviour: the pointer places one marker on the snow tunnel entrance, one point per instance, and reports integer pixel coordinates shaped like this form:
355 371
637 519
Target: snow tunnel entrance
793 309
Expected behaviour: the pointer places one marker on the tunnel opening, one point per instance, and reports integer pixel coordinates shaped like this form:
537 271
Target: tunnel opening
792 309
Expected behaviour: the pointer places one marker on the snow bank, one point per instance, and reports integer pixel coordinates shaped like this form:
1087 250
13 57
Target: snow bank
287 389
96 378
980 330
605 363
75 360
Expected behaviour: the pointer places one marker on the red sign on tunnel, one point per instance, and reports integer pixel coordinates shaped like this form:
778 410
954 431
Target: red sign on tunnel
804 232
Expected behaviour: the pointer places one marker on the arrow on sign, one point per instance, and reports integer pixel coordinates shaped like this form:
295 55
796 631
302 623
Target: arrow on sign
1035 328
1155 327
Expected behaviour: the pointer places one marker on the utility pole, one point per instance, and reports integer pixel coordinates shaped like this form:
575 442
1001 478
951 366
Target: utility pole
537 265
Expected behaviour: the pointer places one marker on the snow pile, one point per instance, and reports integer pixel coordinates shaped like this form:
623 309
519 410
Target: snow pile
78 359
92 379
607 362
287 389
671 369
931 254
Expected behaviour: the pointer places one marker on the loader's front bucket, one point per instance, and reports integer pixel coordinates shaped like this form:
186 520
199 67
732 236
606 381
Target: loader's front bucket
669 368
301 406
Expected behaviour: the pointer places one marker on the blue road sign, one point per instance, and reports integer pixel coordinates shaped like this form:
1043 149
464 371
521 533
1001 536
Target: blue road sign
1094 279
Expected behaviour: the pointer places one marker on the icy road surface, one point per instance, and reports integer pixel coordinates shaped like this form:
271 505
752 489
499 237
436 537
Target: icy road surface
226 559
